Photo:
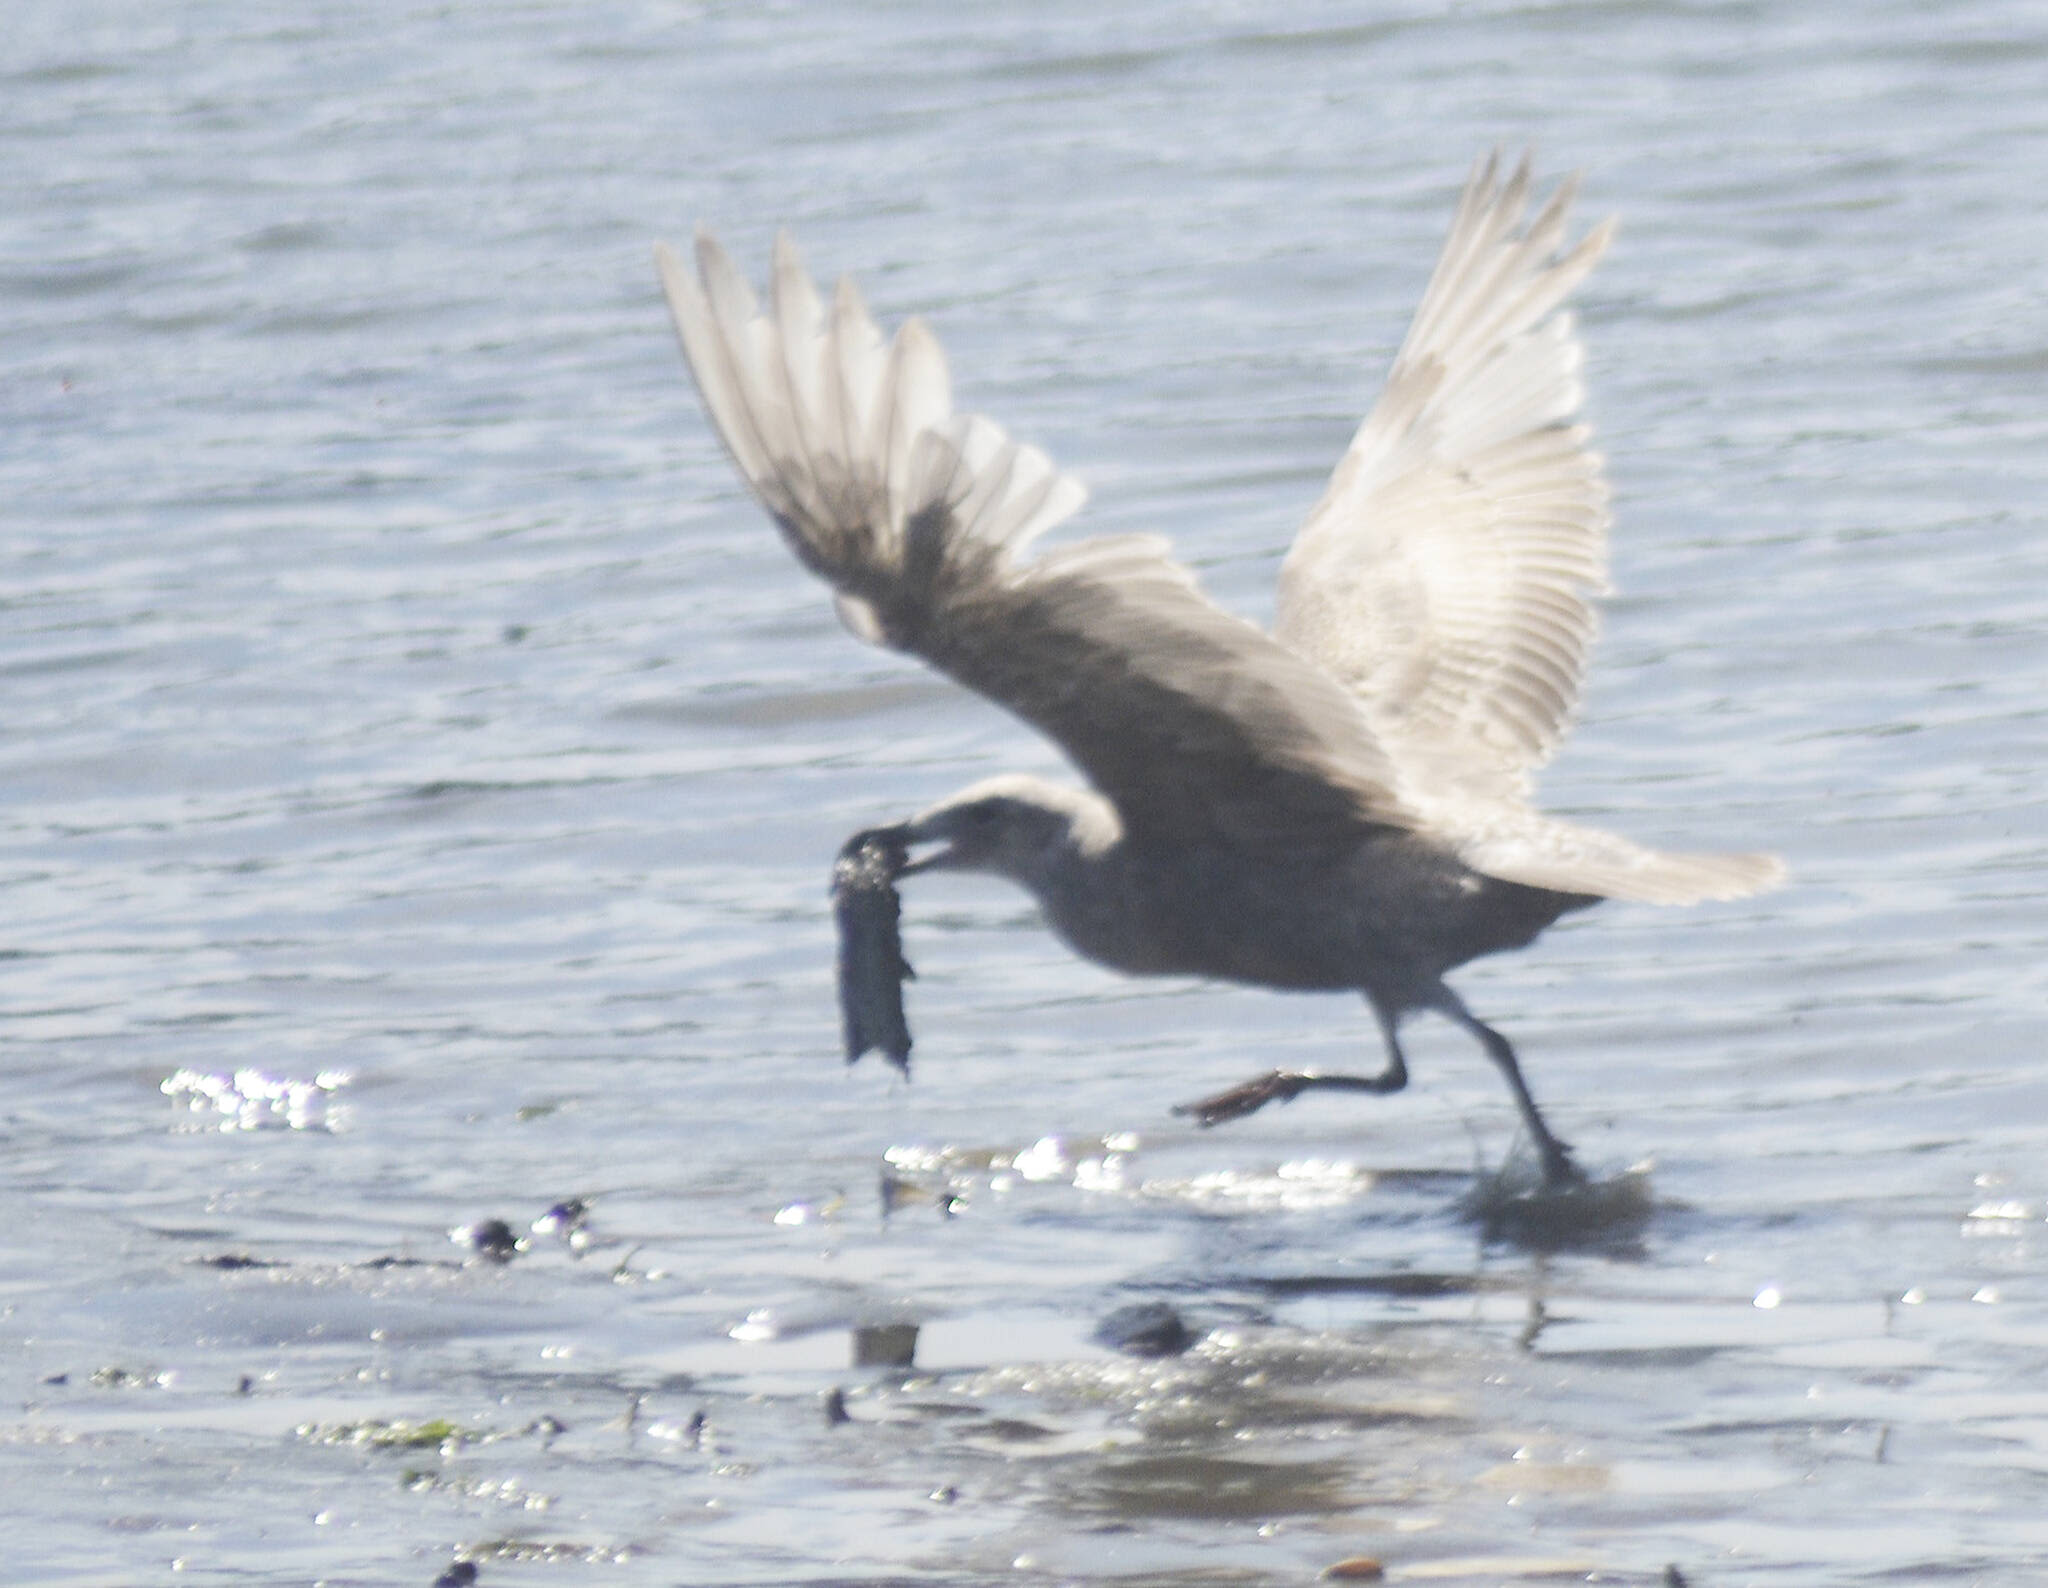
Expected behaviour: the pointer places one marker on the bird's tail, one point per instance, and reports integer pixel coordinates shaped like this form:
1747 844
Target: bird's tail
1567 858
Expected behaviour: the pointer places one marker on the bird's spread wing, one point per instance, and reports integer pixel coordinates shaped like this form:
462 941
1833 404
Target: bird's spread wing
1195 723
1448 573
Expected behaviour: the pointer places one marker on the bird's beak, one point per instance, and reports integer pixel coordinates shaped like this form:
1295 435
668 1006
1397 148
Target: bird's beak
924 830
894 844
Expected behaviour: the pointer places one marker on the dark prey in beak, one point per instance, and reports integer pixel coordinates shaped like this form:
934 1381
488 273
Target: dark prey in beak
872 968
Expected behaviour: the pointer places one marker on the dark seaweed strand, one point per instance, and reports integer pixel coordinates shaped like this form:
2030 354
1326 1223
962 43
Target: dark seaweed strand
872 968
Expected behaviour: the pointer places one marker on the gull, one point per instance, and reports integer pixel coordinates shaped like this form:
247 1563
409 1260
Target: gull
1343 804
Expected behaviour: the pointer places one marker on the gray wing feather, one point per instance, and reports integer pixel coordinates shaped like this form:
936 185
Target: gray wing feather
1192 721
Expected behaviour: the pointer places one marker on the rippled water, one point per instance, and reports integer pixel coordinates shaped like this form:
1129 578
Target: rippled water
421 769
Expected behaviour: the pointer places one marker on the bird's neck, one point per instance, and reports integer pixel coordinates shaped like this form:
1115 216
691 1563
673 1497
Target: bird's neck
1080 850
1089 890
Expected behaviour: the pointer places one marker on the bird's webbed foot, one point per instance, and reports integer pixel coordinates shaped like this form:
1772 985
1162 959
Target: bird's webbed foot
1560 1170
1275 1086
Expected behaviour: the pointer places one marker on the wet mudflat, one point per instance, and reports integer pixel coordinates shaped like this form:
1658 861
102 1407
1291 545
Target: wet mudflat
422 773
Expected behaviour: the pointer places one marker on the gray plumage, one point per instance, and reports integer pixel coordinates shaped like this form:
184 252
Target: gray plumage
1343 804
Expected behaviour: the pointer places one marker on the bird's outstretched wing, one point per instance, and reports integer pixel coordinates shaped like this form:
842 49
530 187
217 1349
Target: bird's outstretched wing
1447 576
1195 723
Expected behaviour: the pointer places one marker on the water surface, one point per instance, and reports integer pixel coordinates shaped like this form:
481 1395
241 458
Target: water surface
421 769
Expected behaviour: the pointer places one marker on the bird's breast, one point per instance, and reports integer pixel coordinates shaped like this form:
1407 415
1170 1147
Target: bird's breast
1212 913
1395 909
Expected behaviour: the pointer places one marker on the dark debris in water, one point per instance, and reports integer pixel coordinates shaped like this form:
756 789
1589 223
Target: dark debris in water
564 1218
885 1345
1403 1284
1148 1328
546 1551
434 1433
114 1376
898 1192
491 1239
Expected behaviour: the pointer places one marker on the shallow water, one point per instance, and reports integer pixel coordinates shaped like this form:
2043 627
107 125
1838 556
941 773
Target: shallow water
422 768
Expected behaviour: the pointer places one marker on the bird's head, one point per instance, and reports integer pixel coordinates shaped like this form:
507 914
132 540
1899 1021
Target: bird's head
1015 827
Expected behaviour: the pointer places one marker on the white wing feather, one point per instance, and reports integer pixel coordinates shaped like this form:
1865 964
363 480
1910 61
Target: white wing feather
1448 574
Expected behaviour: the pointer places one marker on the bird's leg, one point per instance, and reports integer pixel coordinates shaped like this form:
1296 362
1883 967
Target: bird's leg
1283 1086
1558 1169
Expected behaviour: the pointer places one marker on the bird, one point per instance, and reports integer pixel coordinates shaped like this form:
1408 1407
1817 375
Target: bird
1344 804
